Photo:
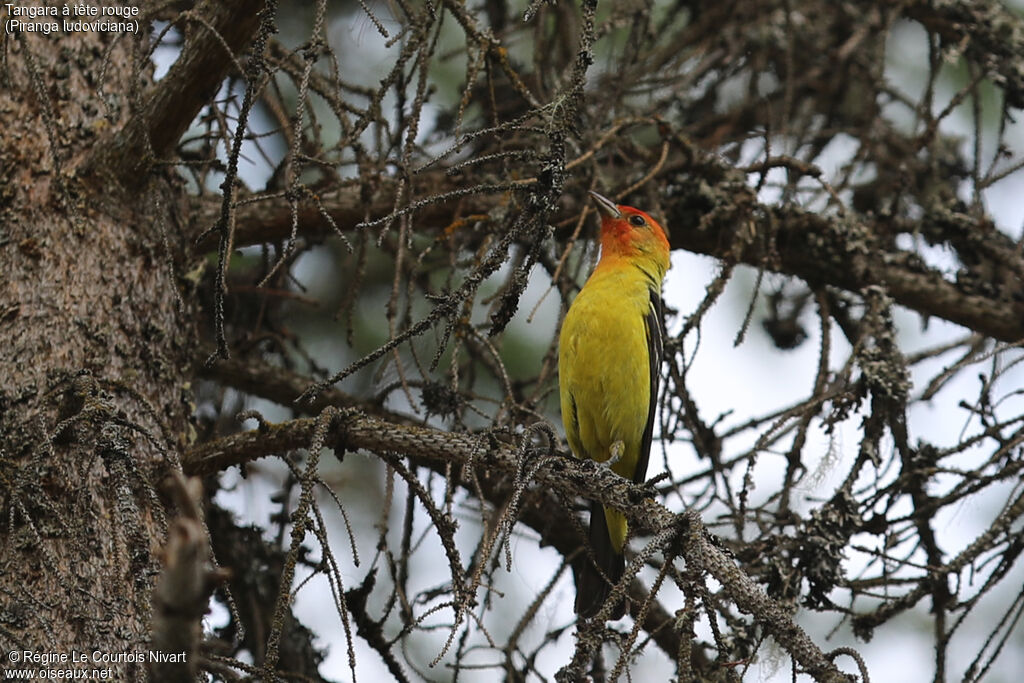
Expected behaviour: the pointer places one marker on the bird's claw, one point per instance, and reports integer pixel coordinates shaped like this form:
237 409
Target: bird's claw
615 453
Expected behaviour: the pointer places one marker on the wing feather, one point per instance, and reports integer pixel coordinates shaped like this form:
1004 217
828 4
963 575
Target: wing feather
653 323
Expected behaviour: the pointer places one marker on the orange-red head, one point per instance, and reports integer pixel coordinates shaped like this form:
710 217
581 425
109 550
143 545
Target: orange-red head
630 234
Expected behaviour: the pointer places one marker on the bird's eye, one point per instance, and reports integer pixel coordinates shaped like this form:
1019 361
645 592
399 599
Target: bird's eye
637 220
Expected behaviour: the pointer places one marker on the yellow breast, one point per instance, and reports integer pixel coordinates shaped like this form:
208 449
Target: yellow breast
604 369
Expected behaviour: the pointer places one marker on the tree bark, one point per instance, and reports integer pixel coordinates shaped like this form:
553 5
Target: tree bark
94 400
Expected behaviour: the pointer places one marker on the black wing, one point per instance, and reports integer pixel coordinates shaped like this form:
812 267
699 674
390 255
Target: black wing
655 350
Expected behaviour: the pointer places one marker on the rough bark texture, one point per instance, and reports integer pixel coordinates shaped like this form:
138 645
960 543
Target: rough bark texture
94 405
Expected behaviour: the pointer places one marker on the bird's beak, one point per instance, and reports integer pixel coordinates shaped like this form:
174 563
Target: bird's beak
606 206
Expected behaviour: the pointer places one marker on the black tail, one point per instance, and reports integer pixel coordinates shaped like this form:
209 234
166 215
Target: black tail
593 586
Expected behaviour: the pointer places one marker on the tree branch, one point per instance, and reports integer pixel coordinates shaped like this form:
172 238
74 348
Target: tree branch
218 32
724 220
183 590
271 219
283 387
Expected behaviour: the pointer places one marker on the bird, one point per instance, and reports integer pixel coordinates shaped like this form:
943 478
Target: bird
609 360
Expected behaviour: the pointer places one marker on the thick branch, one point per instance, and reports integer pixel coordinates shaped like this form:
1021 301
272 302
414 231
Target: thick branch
271 220
281 386
825 250
217 32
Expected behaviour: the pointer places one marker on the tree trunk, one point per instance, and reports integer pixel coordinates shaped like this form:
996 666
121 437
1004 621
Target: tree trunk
94 405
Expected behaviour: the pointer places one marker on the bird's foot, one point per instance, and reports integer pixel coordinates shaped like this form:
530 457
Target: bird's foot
615 453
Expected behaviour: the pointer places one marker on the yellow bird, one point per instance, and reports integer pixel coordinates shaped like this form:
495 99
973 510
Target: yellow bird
609 359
